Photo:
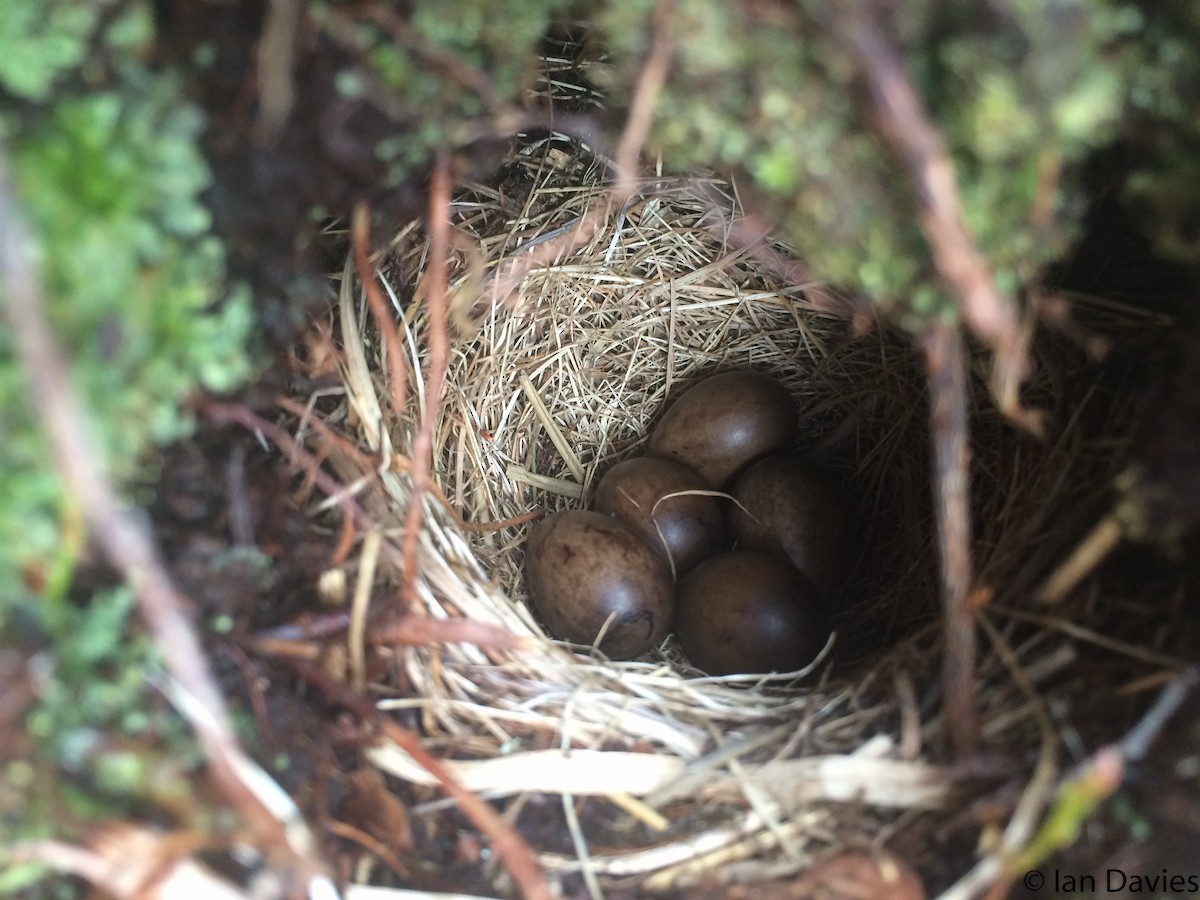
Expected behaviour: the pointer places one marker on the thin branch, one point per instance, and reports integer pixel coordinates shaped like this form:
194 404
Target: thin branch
752 233
296 454
993 317
905 124
512 849
301 459
451 66
381 311
947 371
1136 743
276 59
439 350
645 94
122 536
1083 560
512 271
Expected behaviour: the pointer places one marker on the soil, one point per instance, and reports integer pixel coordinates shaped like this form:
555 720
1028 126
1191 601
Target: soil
243 547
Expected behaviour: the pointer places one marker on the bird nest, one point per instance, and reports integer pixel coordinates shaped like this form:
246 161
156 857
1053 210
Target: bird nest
572 323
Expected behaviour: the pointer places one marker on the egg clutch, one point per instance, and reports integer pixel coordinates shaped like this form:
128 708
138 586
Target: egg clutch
718 533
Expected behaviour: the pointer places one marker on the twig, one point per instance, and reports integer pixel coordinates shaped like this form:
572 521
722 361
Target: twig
947 372
435 303
989 314
992 873
1136 743
426 631
380 310
447 64
242 415
560 441
1083 560
371 844
276 60
1080 633
399 462
512 849
645 94
751 232
579 840
903 121
130 863
124 540
1078 794
512 271
356 632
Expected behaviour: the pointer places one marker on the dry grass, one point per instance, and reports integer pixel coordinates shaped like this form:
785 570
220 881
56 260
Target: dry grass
557 370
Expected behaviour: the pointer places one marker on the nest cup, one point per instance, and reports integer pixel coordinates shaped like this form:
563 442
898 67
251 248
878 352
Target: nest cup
566 344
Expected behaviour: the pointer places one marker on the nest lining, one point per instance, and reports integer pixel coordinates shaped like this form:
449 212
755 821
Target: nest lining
560 374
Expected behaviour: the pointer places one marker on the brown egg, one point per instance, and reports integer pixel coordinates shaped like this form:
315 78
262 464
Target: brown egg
583 567
687 528
790 506
749 612
723 423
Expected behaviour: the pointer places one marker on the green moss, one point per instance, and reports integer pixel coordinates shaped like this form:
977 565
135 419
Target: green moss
41 40
1164 190
1021 94
109 180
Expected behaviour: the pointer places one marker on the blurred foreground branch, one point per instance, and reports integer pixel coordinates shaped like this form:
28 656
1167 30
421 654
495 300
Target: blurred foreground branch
122 537
902 119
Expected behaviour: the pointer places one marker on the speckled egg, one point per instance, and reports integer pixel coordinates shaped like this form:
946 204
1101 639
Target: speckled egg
725 422
590 573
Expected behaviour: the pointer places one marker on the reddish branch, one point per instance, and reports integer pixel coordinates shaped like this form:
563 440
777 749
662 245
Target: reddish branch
994 318
121 535
276 59
445 63
512 271
651 79
296 454
512 849
424 631
752 233
381 312
903 121
645 94
439 350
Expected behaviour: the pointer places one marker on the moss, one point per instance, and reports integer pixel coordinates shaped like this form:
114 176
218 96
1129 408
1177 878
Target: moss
1022 95
42 41
110 181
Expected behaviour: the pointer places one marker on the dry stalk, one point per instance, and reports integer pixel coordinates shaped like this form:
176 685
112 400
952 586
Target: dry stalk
276 60
299 457
380 312
645 93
